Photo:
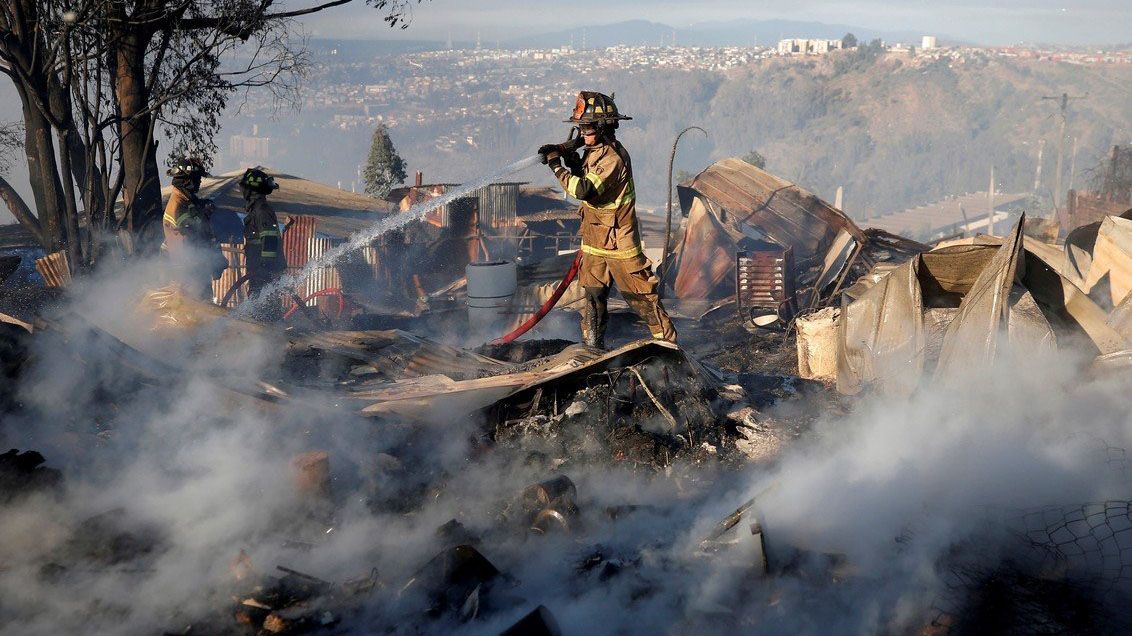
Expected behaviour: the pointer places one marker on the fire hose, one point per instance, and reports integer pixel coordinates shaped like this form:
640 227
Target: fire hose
297 303
571 274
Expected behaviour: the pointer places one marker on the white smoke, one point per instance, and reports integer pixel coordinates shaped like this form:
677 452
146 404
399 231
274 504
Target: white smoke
208 475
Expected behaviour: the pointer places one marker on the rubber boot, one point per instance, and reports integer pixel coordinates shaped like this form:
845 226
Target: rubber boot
595 316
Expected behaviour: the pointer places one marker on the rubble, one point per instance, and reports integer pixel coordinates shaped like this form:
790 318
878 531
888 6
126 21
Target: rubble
22 474
539 622
952 303
859 311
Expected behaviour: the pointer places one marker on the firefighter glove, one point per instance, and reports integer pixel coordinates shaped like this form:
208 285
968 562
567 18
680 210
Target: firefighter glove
549 152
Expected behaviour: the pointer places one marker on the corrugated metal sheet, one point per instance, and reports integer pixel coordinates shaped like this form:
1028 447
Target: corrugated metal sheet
785 213
498 203
234 254
321 278
54 269
398 355
296 240
961 213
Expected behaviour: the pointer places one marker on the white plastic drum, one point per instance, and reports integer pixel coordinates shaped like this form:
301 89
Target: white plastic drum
491 286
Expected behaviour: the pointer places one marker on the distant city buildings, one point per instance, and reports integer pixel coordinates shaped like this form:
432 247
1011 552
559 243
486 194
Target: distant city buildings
804 46
250 150
467 98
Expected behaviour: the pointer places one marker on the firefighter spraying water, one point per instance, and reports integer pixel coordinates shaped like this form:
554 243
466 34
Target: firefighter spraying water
368 235
612 252
602 179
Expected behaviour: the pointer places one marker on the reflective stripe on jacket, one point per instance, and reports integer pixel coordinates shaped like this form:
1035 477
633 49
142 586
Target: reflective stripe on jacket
263 243
603 182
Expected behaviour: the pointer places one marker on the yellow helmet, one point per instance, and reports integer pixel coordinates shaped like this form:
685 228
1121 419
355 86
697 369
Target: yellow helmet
595 108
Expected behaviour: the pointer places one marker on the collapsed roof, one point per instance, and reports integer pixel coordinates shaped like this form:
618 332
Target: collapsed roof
731 204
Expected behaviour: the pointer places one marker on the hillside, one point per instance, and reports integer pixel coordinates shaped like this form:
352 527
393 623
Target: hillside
895 132
732 33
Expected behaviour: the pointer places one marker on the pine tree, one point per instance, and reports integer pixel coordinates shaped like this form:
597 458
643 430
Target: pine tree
384 168
755 159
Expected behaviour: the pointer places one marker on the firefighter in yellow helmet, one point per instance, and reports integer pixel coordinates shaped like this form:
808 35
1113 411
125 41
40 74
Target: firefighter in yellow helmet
263 244
187 228
602 179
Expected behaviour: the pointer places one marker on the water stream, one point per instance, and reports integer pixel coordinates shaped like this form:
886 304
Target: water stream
369 234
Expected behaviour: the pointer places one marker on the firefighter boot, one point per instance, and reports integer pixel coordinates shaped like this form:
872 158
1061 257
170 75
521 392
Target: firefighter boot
595 316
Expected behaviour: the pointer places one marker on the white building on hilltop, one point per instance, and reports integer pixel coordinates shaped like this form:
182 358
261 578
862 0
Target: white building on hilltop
928 42
803 46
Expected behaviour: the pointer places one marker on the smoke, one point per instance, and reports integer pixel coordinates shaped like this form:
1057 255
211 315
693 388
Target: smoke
387 224
862 519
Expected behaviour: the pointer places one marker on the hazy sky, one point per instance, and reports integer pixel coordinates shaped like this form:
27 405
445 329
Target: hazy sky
988 21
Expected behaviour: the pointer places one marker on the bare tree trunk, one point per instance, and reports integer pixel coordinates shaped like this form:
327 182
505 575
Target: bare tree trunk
43 172
142 189
19 209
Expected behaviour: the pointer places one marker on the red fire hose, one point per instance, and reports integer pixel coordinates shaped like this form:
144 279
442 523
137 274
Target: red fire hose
571 274
329 291
296 302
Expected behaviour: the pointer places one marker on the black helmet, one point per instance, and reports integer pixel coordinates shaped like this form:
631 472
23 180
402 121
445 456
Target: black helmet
595 108
257 180
186 168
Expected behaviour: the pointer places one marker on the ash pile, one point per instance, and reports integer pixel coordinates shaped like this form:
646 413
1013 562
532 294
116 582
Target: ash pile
821 453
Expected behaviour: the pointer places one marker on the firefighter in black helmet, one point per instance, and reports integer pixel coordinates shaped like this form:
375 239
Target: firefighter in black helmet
188 239
602 179
263 244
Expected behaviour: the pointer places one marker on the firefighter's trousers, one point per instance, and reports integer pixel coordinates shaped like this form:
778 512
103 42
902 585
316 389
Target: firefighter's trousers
638 286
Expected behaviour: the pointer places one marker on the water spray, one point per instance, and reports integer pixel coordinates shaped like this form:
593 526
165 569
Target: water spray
371 233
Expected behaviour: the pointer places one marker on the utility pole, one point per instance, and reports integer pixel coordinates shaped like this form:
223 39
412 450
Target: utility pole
1064 99
1073 163
990 204
1038 170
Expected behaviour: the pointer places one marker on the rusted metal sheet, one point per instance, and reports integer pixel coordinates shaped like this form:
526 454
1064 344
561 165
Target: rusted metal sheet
706 256
785 213
422 396
54 269
894 331
321 278
296 240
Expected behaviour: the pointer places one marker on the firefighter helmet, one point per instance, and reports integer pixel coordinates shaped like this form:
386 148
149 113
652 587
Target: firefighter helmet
257 180
186 168
595 108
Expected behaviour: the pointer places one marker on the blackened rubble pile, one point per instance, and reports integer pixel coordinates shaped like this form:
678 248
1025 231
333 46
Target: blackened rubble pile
383 482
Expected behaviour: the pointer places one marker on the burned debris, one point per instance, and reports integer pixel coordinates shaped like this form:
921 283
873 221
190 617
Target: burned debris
413 475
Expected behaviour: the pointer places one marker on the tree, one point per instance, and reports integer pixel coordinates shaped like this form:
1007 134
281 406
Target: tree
100 75
9 143
384 168
849 41
755 159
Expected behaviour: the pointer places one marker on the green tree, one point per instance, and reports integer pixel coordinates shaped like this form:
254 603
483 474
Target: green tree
849 41
755 159
384 168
